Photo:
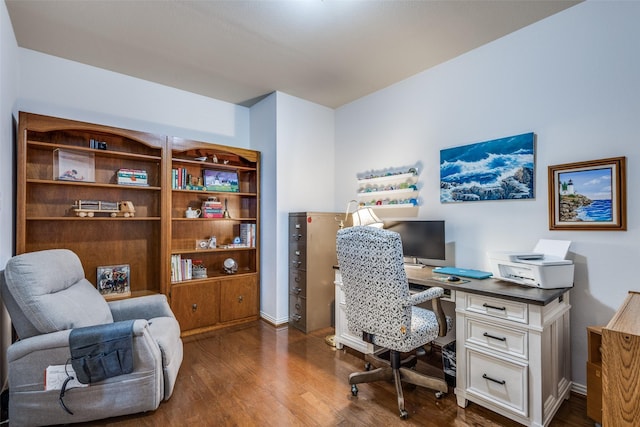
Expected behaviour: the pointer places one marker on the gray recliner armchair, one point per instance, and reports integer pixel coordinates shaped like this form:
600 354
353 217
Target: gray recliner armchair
380 308
47 297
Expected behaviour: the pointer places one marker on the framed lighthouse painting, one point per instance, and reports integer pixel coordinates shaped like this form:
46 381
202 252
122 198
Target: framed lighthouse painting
588 195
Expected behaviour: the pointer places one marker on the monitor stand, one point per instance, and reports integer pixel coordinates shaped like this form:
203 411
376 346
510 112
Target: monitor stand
414 264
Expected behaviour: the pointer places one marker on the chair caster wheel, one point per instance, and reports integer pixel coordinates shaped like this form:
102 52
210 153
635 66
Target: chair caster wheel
367 366
354 390
404 414
439 394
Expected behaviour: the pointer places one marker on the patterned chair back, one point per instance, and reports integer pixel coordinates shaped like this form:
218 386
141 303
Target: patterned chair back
374 281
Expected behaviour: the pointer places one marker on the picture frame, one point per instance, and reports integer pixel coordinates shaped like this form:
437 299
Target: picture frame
499 169
72 165
221 180
113 281
588 195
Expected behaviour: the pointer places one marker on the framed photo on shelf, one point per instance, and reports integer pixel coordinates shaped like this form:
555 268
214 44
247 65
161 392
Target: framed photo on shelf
70 165
113 281
588 195
220 180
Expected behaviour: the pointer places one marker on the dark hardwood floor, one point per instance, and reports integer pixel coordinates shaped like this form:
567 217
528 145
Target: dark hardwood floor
259 375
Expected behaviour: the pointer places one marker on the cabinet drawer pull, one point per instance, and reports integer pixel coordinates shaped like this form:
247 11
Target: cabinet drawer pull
296 263
487 377
488 335
194 307
297 236
485 305
297 290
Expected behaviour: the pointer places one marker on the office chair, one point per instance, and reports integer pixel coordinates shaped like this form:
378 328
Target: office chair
381 309
49 300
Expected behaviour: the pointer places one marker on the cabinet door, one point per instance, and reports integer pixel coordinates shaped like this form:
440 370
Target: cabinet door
238 298
195 305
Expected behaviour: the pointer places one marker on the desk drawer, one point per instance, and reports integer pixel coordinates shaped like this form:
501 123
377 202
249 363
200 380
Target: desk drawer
498 381
504 340
494 307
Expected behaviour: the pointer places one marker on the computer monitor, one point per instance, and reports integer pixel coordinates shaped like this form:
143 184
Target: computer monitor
420 239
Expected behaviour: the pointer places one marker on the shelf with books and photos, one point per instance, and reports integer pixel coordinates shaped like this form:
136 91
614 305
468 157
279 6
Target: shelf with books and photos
68 186
214 227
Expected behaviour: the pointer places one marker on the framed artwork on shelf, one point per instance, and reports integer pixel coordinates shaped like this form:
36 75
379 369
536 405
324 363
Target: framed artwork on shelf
69 165
588 195
220 180
500 169
113 281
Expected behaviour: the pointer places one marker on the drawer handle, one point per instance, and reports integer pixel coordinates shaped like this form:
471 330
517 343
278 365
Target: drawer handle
485 305
240 298
297 290
487 377
296 263
297 253
297 236
488 335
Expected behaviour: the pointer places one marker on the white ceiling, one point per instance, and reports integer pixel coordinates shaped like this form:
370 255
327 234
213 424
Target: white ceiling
329 52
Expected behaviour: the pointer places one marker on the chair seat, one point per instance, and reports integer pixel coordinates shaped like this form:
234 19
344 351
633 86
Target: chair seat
424 329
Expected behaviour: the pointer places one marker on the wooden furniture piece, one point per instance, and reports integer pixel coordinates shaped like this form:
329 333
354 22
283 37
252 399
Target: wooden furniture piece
594 373
312 253
512 345
44 208
158 232
220 299
621 365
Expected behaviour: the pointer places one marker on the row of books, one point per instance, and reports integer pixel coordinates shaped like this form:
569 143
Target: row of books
182 180
248 235
181 269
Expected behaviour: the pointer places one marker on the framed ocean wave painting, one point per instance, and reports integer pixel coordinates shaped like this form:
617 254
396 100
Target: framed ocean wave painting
500 169
588 195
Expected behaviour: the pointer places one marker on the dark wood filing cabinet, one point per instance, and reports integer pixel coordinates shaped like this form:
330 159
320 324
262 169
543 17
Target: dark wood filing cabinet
312 255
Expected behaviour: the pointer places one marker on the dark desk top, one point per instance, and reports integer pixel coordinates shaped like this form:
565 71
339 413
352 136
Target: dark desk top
489 287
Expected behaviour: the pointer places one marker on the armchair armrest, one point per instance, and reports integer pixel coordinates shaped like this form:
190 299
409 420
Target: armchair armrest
146 307
28 358
56 344
434 294
426 295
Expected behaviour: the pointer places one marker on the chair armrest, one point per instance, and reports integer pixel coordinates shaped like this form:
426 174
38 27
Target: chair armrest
146 307
56 344
426 295
434 294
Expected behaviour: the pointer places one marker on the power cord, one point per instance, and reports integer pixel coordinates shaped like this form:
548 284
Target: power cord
64 388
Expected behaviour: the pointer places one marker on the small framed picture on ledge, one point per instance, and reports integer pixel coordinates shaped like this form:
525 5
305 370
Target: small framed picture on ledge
113 281
588 195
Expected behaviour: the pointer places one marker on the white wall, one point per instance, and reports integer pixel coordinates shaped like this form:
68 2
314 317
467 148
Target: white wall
573 80
298 177
9 80
62 88
264 139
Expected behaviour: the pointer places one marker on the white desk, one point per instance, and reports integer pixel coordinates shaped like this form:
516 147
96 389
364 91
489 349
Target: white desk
512 344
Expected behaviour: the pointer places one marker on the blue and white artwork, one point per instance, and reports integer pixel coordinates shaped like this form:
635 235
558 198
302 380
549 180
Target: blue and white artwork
499 169
586 195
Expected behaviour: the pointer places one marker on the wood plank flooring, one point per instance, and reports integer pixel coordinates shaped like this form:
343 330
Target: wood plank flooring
260 375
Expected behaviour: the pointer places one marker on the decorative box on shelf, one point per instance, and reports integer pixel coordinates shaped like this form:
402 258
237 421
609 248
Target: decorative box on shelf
132 177
70 165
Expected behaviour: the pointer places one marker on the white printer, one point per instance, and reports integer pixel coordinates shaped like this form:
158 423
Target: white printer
545 267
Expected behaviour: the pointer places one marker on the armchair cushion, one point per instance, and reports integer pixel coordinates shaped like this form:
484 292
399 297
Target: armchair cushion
51 289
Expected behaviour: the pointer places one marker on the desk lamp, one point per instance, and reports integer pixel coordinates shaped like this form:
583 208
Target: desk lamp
362 216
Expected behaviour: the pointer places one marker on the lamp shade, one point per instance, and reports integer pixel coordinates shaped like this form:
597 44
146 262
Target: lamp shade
366 216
